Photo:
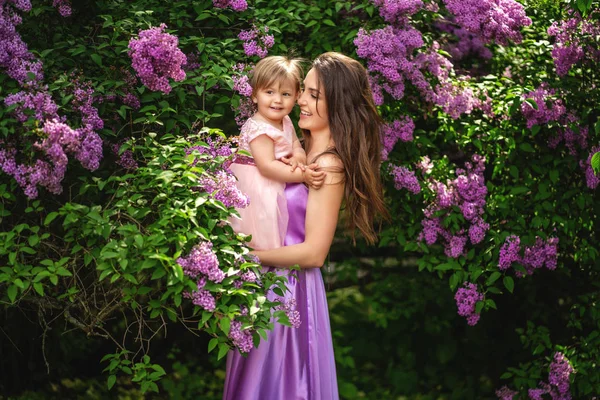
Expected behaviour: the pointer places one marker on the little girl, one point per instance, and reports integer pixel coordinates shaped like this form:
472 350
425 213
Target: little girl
270 137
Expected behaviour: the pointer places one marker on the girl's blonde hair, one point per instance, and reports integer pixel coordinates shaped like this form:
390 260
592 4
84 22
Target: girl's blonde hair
276 68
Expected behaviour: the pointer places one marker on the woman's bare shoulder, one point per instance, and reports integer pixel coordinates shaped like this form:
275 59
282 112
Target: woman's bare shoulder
333 166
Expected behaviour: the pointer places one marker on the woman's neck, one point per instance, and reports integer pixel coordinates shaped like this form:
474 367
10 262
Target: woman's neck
319 143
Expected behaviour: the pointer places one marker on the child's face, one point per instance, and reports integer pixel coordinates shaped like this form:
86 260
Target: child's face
276 100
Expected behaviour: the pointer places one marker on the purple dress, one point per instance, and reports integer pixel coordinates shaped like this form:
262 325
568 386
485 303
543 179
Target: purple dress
293 363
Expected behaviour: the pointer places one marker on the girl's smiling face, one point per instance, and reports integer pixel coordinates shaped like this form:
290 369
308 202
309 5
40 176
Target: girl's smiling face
313 108
275 101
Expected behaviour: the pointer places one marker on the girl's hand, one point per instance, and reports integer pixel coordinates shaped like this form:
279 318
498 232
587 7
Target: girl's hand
295 161
313 177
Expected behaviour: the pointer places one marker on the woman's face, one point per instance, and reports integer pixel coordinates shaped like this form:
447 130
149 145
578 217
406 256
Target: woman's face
313 113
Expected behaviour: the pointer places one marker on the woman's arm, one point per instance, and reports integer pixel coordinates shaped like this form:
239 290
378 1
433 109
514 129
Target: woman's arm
263 152
321 220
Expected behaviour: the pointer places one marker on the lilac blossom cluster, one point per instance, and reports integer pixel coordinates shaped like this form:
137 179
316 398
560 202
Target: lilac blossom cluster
20 64
202 261
548 109
63 6
466 298
542 253
235 5
405 179
125 159
558 385
289 307
201 297
223 187
241 84
389 55
156 58
551 109
492 20
257 42
467 43
504 393
241 338
391 63
397 11
575 40
38 100
401 129
592 180
454 97
467 192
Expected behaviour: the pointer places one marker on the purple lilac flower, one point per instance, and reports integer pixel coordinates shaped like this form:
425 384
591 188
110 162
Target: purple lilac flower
40 101
492 20
467 45
223 188
236 5
509 252
156 58
397 11
504 393
241 338
536 394
591 179
468 192
478 230
124 159
542 253
89 153
575 40
456 246
63 6
256 42
547 110
560 371
398 130
131 100
203 298
388 52
289 306
405 179
202 260
466 298
241 84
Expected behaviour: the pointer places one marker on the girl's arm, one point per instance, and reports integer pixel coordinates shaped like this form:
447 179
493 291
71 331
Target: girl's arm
321 220
263 152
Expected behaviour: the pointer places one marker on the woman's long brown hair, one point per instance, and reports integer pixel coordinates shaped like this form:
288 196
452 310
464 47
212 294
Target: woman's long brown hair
355 129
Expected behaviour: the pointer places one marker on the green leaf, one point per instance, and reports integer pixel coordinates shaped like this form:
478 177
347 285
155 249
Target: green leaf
509 283
493 278
595 162
39 288
223 349
111 381
212 344
328 22
97 59
225 325
50 217
12 293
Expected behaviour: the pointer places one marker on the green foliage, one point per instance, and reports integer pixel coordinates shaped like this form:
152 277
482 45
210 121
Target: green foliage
102 256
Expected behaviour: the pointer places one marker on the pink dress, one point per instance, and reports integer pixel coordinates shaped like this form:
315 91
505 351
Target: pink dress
266 217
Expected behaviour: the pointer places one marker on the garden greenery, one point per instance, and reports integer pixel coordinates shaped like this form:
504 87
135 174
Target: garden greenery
115 192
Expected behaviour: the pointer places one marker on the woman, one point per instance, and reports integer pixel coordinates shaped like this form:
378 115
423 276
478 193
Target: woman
341 130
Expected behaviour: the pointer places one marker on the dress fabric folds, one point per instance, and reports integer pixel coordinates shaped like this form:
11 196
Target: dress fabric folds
293 363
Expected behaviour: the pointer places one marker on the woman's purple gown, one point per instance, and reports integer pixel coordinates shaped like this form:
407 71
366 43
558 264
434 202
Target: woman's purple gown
293 363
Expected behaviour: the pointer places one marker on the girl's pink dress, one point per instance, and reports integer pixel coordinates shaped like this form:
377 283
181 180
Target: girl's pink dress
266 217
